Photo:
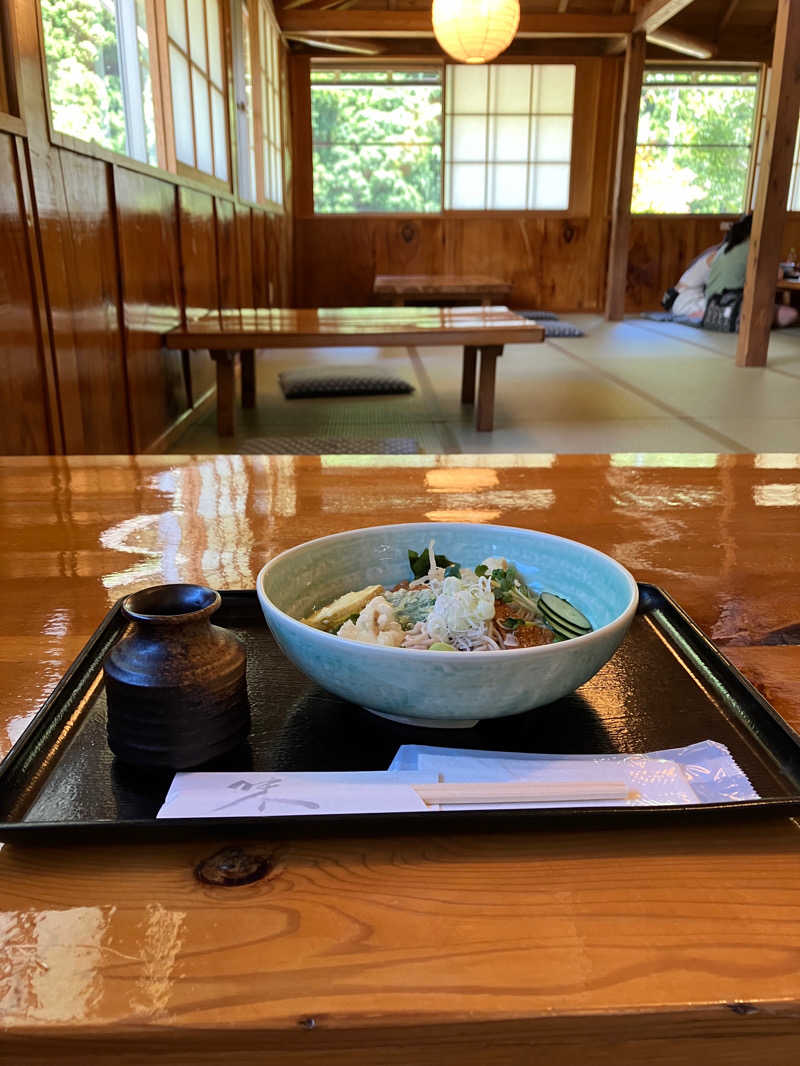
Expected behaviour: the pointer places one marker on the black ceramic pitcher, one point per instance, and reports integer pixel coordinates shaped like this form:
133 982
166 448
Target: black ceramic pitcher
175 683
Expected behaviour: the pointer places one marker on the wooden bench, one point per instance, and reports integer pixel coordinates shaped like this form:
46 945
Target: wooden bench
476 287
228 334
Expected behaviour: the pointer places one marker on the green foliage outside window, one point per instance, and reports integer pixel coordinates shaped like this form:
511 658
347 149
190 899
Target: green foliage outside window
377 141
80 43
695 142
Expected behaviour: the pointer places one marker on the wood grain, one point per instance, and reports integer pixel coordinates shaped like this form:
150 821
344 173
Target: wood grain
608 948
263 260
344 327
244 255
550 262
198 252
479 287
227 254
85 309
148 234
660 249
26 426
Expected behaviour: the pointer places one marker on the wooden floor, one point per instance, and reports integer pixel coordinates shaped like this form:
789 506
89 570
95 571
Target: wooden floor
636 386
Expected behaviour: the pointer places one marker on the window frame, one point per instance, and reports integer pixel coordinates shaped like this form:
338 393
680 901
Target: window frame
258 10
11 118
719 67
92 148
390 68
181 168
168 168
579 184
490 114
794 173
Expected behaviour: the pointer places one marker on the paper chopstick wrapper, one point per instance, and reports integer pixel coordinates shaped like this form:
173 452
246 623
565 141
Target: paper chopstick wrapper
444 792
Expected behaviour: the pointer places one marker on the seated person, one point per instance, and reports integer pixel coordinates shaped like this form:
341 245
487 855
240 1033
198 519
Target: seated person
690 303
729 268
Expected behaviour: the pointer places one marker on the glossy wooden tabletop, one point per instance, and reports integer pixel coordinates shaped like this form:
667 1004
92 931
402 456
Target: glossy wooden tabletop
280 327
659 945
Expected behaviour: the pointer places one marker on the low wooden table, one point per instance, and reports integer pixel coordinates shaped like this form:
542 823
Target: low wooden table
227 334
786 287
402 287
666 944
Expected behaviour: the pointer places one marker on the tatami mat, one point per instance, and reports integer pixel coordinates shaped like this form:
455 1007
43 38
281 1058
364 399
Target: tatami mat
633 386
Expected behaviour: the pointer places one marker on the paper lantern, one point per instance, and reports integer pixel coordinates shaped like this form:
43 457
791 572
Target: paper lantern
475 31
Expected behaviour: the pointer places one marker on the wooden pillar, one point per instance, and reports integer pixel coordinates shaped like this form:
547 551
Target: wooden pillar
769 217
300 108
623 178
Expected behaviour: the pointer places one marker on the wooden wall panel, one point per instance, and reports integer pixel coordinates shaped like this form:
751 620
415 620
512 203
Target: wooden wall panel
53 225
198 251
151 293
325 279
553 263
280 264
261 258
660 250
85 310
25 428
227 253
244 250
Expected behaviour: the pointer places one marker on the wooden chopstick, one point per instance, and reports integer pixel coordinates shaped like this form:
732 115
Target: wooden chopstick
446 792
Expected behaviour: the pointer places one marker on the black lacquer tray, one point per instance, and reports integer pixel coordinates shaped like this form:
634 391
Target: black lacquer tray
667 686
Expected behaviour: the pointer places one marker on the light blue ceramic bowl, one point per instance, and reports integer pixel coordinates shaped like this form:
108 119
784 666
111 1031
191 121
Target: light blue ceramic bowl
442 688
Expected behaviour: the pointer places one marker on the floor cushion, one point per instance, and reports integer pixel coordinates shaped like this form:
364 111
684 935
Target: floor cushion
340 381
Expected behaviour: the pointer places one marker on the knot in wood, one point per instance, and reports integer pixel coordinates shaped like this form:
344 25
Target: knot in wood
233 866
742 1008
785 635
408 232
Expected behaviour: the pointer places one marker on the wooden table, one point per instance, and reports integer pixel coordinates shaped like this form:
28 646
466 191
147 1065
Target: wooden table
227 334
665 945
478 287
786 287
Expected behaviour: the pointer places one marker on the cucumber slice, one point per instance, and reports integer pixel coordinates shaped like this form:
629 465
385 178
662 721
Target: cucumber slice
560 610
562 626
563 632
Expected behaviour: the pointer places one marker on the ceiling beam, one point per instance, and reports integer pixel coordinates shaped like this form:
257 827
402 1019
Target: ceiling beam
358 47
428 48
684 43
656 12
418 24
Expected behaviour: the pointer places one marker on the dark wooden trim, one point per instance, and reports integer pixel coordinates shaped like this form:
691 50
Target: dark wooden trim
623 178
10 62
657 12
468 367
412 24
123 333
40 302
